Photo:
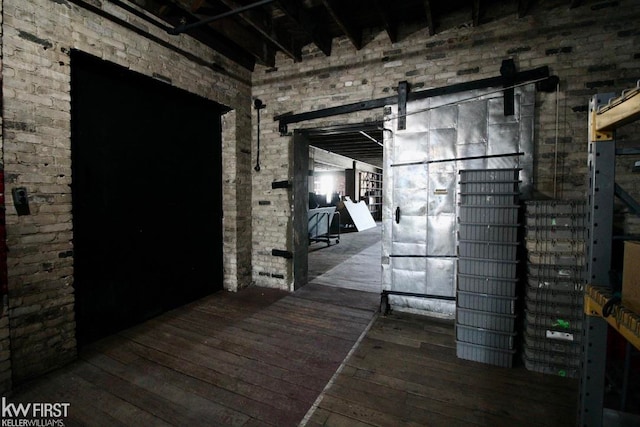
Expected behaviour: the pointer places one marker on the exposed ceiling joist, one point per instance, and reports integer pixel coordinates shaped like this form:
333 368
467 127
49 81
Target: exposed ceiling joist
177 16
429 14
252 31
253 44
308 24
262 23
390 24
217 15
475 13
523 8
199 23
344 21
349 141
196 4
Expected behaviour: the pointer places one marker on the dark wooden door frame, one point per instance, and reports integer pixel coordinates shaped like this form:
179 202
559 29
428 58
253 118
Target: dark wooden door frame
300 195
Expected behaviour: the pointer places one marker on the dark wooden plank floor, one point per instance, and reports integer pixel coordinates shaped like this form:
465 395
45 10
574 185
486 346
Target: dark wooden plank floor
262 357
257 357
405 372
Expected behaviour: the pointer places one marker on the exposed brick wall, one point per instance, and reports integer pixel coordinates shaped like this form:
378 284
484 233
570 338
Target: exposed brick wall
237 201
38 36
592 48
5 342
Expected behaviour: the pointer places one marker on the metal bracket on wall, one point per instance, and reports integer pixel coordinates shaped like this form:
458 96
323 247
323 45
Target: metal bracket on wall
21 201
282 124
508 72
258 105
281 253
280 184
403 91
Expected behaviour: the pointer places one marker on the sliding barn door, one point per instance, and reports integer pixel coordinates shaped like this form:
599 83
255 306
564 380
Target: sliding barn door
443 135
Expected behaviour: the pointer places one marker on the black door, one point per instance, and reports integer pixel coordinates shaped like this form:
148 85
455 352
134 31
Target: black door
147 196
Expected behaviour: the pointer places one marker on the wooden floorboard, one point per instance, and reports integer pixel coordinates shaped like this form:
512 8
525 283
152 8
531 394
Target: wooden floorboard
405 372
217 387
259 357
340 297
238 373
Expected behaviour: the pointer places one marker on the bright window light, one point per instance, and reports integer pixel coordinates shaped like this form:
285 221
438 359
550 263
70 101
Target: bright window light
326 186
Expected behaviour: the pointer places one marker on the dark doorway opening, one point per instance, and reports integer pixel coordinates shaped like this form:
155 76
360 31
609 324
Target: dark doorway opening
337 150
147 196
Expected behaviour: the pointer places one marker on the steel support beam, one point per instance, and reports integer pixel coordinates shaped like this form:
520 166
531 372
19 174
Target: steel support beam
594 343
600 210
601 163
606 114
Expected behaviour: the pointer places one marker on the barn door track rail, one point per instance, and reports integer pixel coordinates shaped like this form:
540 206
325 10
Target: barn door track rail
508 78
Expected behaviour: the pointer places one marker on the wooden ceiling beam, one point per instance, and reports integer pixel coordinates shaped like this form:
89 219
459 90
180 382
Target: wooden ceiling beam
262 23
196 4
428 10
227 28
338 14
390 24
475 13
175 14
257 47
306 23
523 8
